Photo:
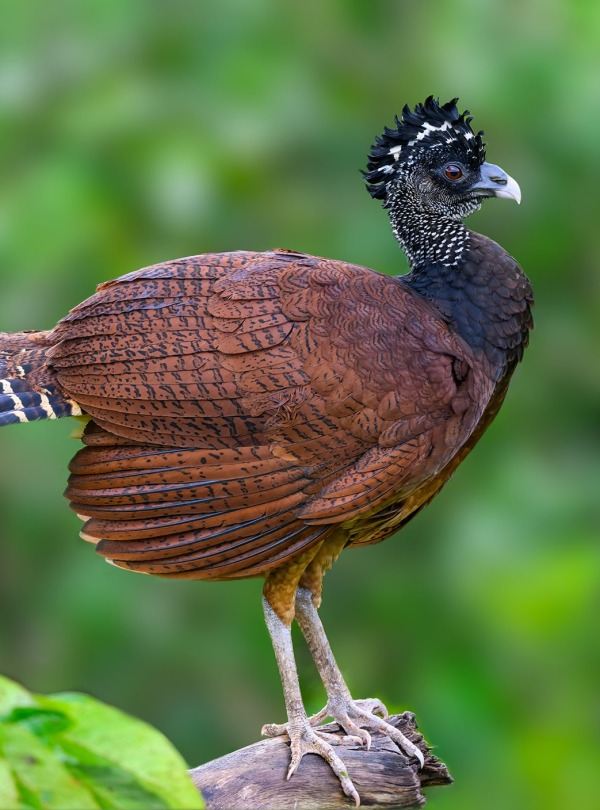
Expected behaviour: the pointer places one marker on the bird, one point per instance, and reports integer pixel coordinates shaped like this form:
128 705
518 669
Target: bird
252 414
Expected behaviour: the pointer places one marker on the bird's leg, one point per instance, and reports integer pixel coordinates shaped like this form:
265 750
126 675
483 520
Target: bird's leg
354 716
304 738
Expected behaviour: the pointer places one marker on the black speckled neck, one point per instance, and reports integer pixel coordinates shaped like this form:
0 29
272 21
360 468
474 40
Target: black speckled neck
427 237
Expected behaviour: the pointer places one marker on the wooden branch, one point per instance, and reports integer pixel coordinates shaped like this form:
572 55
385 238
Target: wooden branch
253 778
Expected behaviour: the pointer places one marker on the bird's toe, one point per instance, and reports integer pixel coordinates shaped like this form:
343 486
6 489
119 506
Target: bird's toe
356 716
305 740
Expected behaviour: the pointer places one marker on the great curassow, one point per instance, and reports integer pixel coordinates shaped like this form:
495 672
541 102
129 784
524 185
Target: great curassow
252 414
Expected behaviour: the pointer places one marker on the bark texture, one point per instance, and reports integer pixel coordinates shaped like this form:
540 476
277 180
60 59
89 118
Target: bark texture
253 778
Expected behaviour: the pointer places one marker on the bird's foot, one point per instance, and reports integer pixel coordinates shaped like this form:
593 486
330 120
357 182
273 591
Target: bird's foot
305 739
358 718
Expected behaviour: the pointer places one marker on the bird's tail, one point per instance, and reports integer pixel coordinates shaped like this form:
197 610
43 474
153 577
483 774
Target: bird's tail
28 389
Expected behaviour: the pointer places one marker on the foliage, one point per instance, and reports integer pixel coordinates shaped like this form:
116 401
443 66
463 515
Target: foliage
70 751
132 132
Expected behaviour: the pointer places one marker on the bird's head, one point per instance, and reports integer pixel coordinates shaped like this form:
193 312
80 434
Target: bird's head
435 161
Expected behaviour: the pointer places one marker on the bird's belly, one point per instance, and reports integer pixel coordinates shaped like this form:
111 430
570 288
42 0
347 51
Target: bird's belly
395 513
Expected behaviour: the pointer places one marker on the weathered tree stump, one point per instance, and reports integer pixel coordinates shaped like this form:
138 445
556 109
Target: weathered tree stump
253 778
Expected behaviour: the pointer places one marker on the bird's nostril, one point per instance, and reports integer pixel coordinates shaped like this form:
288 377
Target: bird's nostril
500 180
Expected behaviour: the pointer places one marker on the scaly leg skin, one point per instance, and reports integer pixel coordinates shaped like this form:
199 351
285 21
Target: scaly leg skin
354 716
303 737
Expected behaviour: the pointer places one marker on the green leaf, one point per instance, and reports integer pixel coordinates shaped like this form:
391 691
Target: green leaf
41 722
110 736
36 768
70 751
9 794
12 695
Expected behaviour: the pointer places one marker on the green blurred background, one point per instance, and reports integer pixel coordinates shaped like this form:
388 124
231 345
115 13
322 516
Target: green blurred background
132 133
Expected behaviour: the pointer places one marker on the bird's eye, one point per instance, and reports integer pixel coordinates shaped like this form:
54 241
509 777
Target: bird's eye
453 171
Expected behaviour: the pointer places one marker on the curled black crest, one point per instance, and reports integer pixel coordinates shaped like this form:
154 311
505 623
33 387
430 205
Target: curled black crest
428 124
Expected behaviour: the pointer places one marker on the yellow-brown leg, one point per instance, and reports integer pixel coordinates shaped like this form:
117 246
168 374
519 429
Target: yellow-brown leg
354 716
279 607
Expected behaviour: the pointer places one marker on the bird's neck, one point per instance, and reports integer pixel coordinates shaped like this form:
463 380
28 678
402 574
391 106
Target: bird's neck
485 298
425 236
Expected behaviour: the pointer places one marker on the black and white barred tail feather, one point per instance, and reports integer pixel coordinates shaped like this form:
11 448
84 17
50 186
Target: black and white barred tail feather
28 391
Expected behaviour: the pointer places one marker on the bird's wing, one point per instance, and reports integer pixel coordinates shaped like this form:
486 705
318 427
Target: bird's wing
240 399
392 375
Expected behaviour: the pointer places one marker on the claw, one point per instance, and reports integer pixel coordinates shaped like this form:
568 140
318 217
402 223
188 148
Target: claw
380 709
293 767
404 743
410 749
354 730
420 757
